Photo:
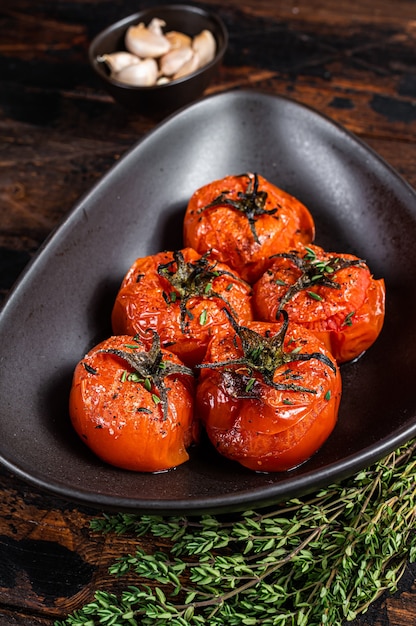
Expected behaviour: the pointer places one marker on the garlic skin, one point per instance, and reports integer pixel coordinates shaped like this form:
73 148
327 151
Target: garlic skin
141 74
145 43
204 44
116 61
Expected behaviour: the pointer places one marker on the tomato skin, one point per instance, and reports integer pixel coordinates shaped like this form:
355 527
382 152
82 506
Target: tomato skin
273 430
145 303
226 231
348 320
119 420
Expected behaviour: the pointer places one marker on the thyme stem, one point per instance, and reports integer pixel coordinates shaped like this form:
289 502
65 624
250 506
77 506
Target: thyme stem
313 561
254 581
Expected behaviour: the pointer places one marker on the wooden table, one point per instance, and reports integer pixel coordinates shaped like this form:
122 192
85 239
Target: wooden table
353 60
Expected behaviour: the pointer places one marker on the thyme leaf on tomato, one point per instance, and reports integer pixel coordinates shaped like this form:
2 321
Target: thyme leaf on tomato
250 203
89 369
150 369
314 271
265 355
348 318
193 279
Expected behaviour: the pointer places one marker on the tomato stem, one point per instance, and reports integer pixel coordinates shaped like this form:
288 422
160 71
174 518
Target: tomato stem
251 203
314 271
266 354
192 279
150 368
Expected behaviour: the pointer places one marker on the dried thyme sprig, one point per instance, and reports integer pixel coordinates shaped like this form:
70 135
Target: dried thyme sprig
317 560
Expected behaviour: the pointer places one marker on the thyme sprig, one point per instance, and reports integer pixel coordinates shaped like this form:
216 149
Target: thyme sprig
250 203
314 271
317 560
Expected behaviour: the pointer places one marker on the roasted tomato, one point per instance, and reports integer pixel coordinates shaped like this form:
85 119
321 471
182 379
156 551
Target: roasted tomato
181 295
268 394
134 407
333 295
243 220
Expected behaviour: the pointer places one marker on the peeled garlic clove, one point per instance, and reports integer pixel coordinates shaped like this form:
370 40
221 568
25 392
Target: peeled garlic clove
172 62
142 74
187 68
178 40
145 43
117 60
156 25
162 80
204 44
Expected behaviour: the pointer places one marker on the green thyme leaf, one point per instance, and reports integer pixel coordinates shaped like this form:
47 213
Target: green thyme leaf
313 561
314 296
348 319
250 384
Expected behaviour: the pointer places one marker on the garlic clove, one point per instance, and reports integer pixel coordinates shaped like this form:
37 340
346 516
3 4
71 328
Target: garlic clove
162 80
172 62
117 60
178 40
145 43
142 74
205 45
156 26
187 68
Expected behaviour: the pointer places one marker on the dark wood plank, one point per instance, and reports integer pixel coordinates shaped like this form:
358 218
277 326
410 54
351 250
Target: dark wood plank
41 537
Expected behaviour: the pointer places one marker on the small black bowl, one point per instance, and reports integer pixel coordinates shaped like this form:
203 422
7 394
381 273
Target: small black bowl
164 98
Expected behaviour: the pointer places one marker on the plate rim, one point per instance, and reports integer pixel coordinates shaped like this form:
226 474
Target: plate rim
262 495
